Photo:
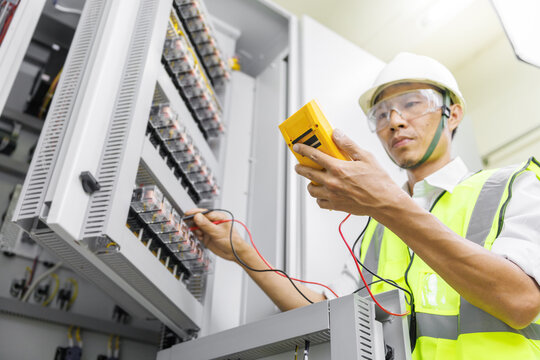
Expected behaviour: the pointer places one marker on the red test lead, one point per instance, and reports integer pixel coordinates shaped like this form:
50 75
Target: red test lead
360 271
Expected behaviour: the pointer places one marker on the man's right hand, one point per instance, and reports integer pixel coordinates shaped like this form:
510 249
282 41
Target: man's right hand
217 237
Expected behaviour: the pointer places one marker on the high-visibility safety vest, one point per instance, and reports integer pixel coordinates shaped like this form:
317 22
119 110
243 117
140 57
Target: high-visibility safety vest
447 325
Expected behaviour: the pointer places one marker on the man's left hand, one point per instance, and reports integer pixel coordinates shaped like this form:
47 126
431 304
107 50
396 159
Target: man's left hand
359 187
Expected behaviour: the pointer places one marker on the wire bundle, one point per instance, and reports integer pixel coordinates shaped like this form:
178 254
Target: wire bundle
284 274
270 268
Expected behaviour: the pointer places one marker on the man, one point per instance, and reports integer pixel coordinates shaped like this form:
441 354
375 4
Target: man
467 246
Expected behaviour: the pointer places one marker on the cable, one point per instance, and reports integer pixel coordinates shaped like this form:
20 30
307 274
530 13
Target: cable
369 284
357 263
296 353
34 266
412 324
279 272
388 281
306 349
361 235
109 346
116 352
70 338
49 95
38 280
270 268
78 337
55 291
75 292
31 276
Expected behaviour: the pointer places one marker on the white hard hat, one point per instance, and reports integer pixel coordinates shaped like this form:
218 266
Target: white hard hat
407 67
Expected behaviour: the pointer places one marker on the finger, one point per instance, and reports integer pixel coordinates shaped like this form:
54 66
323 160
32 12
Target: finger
316 155
217 215
348 146
205 225
324 204
193 211
310 173
317 191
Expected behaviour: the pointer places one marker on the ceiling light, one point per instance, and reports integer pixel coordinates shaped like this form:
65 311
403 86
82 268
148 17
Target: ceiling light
441 12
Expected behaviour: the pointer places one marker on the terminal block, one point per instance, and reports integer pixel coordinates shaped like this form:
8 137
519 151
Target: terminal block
159 226
181 155
197 23
191 73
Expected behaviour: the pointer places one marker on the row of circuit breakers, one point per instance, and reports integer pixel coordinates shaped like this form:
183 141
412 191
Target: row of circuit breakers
196 77
197 69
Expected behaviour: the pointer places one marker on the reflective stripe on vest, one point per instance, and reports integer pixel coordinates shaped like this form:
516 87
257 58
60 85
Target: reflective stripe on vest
471 320
374 250
487 204
437 326
474 320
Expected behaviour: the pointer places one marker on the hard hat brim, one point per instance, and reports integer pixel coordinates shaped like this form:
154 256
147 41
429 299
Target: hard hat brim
366 99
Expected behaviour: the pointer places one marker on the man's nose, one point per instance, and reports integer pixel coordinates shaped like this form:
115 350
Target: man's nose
396 120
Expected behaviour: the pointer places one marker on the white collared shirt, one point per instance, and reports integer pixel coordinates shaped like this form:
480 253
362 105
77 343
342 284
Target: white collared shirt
519 240
444 179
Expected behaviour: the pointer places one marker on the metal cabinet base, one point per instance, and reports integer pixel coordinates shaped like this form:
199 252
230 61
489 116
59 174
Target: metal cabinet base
349 327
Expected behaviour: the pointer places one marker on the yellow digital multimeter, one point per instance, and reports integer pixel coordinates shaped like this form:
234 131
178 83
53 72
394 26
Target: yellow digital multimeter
309 126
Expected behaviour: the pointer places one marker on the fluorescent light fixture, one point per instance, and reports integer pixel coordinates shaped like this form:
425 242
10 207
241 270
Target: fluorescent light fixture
440 12
519 19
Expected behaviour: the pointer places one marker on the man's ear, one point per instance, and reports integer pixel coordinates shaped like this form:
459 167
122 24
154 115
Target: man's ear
456 115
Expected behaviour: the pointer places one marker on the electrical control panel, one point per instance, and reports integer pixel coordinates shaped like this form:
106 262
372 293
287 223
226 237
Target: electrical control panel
151 150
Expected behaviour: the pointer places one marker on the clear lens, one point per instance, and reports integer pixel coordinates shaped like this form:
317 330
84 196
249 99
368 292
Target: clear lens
408 105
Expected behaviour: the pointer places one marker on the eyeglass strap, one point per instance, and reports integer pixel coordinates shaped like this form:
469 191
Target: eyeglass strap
442 124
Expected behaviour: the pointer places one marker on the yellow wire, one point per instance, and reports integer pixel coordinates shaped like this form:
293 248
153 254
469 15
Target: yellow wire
109 343
117 342
70 338
78 334
175 24
111 244
49 94
55 291
296 353
75 291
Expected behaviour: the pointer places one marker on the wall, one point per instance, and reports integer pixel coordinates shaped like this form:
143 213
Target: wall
502 102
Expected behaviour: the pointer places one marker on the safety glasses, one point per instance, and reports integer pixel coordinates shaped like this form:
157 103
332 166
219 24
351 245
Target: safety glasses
409 106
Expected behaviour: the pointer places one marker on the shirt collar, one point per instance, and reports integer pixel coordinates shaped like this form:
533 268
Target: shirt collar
446 178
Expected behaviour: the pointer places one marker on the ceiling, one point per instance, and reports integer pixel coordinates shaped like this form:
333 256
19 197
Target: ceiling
451 31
